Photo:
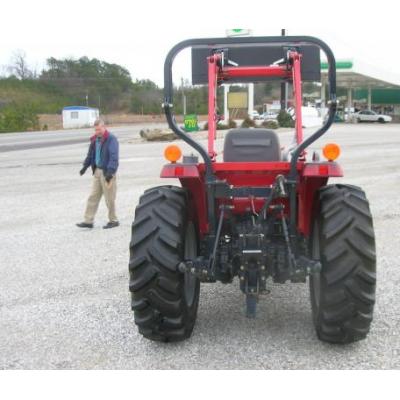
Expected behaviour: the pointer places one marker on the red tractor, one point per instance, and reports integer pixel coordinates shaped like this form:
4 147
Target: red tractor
254 213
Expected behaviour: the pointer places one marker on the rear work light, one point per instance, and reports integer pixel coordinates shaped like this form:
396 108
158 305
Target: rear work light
172 153
331 151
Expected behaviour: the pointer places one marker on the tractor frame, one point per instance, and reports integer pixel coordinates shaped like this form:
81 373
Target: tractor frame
254 215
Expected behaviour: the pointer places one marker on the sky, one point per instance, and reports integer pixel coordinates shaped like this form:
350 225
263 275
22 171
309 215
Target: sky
138 34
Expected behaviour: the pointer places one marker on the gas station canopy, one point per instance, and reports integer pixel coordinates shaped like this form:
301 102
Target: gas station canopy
364 82
357 75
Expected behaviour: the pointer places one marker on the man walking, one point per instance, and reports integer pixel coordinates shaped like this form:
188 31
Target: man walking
102 157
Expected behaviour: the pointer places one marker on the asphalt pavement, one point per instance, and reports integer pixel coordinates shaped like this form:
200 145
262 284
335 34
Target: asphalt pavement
64 300
36 140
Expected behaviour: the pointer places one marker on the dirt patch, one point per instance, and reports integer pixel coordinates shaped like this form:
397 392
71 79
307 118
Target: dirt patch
52 121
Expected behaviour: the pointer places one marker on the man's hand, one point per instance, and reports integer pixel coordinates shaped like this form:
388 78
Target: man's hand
108 178
82 171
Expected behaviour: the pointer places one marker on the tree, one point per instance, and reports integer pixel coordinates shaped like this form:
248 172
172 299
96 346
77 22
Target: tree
19 66
99 81
146 97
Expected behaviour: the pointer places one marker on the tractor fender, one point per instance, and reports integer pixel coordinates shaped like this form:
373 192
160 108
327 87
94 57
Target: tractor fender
322 169
175 170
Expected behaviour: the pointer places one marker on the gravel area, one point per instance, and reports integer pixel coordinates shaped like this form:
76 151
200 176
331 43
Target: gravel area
64 300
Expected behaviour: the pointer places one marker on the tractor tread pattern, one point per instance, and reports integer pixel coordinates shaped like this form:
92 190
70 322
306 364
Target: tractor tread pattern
156 249
348 276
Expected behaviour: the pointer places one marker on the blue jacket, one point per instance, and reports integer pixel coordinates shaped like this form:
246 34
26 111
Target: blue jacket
109 154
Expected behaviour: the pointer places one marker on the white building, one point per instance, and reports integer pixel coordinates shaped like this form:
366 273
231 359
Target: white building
79 117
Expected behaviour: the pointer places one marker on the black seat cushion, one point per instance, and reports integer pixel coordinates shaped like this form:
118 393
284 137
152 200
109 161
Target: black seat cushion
251 145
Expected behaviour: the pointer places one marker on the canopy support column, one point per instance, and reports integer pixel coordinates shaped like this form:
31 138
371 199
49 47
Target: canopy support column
349 99
369 98
226 109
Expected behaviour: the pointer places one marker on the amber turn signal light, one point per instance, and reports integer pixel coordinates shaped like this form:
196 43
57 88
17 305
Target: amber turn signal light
172 153
331 151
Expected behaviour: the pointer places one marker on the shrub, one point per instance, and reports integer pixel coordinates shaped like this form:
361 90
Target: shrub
248 123
285 120
271 124
232 123
18 118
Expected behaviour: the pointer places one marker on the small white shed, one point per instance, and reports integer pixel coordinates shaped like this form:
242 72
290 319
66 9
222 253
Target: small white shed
79 117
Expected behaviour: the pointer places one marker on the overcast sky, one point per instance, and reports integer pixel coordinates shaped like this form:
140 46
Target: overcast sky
138 34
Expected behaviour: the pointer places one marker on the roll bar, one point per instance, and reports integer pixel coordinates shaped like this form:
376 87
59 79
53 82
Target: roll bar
215 43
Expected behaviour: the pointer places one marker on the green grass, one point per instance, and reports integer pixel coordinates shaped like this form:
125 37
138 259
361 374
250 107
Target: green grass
42 97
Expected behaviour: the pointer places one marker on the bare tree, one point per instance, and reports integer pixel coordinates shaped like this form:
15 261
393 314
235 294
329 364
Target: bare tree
19 66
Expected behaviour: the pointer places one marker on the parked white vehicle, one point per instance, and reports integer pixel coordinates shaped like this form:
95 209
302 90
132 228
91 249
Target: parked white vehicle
269 116
310 116
254 115
371 116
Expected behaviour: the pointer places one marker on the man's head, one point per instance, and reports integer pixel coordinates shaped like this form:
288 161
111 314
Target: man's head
99 127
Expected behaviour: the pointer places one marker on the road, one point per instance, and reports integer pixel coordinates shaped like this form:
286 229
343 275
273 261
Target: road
33 140
64 300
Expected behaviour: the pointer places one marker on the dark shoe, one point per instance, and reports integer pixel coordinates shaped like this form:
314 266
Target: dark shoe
84 225
111 225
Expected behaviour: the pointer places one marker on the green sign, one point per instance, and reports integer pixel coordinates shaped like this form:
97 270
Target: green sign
191 123
345 64
238 32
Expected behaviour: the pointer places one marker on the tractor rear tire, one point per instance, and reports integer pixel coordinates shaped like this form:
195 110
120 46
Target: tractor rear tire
164 300
343 293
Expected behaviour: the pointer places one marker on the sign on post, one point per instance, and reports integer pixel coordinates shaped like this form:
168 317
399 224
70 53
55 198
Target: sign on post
237 100
191 123
238 32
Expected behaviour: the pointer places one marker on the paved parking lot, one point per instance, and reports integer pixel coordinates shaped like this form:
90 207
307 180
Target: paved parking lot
64 300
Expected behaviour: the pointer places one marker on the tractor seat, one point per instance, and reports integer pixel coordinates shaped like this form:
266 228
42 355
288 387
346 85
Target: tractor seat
251 145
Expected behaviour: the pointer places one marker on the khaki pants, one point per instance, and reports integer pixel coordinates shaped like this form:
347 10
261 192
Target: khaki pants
100 187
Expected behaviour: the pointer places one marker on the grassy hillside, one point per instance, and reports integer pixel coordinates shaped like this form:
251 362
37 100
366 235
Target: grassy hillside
40 96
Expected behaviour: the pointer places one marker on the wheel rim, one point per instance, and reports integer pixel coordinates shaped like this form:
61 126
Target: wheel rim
190 253
316 278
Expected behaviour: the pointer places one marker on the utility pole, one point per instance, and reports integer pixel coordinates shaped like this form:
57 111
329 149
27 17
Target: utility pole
226 109
183 98
284 85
